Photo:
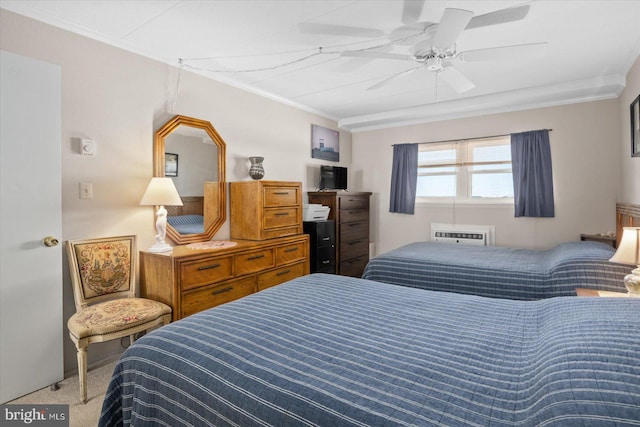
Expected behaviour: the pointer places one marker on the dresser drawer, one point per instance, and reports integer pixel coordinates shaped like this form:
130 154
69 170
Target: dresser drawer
281 232
353 249
354 230
280 275
354 267
280 196
250 262
210 296
290 253
283 217
353 203
205 271
354 215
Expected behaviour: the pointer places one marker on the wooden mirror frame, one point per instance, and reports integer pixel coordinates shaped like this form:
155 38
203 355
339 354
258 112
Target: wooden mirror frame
215 199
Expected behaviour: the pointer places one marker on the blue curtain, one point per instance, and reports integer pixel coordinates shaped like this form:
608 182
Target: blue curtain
532 176
404 178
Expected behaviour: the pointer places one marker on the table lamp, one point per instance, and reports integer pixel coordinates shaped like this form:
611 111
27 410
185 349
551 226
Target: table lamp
161 192
628 252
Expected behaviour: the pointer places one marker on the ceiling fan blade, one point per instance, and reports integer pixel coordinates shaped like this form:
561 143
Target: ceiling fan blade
499 17
411 11
374 54
339 30
395 76
354 63
351 65
451 25
532 50
456 80
406 35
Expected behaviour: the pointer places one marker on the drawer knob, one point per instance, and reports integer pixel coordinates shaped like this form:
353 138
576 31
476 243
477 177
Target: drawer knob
207 267
281 214
291 249
251 258
223 290
281 193
282 273
327 262
326 239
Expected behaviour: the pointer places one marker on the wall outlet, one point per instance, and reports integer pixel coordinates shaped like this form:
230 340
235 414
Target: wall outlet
86 190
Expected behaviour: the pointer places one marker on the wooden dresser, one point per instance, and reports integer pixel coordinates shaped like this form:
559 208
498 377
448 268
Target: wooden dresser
192 280
350 210
265 209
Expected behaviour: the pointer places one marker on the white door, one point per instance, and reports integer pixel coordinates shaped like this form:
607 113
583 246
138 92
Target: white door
31 325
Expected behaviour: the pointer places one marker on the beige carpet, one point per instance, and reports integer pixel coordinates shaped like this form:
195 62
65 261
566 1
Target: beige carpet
80 415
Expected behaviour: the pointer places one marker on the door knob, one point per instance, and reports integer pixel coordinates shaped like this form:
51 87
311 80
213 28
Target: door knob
50 241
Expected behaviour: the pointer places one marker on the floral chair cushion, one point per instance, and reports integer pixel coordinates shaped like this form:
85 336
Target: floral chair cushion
114 316
104 268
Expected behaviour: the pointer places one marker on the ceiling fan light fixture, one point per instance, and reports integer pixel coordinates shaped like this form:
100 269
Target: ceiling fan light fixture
434 63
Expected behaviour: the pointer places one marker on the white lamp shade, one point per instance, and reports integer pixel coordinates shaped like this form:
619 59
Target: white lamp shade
628 251
161 192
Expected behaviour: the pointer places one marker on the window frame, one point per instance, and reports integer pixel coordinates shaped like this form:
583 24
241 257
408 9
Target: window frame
464 173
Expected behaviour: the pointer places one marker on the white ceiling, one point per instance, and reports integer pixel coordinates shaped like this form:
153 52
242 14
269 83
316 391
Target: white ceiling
267 47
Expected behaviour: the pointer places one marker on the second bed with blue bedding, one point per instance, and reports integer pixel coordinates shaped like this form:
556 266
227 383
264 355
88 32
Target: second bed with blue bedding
501 272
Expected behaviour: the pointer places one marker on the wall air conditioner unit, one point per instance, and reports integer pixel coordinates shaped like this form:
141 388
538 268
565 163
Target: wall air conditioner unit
477 235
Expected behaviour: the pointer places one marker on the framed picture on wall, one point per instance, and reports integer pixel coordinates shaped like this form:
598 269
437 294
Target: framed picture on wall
635 127
170 164
325 143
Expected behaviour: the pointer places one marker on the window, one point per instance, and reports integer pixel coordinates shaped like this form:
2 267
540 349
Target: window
476 170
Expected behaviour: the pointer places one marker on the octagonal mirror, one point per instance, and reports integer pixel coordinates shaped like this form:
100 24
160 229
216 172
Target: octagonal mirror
192 153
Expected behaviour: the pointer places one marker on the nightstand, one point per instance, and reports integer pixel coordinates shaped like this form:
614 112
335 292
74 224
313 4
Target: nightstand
609 240
583 292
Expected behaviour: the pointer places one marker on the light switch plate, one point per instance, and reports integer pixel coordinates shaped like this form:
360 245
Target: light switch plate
86 190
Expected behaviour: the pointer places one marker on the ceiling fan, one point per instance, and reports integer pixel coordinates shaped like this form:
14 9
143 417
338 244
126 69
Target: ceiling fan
433 46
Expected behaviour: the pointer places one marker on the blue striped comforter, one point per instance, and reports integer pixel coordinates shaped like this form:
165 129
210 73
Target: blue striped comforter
501 272
326 350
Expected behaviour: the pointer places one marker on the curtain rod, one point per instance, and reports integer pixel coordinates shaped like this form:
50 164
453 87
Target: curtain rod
469 139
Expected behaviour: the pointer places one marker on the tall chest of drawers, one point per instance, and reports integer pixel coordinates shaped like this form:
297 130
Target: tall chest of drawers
191 280
263 210
350 210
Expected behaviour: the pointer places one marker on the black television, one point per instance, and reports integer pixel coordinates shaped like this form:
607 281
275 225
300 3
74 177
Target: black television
333 178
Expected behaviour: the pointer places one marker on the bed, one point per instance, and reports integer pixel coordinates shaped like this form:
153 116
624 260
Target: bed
188 218
500 272
187 224
327 350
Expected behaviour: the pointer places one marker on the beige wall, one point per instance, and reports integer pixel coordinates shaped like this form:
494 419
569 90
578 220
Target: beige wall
630 165
585 152
118 99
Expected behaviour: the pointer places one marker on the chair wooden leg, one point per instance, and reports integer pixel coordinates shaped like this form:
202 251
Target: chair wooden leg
82 373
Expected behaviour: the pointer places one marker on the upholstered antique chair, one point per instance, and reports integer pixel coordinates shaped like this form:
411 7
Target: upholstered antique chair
104 290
